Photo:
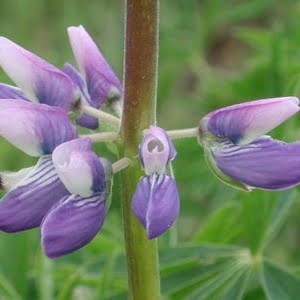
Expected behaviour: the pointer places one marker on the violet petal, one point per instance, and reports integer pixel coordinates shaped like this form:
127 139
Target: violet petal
156 203
26 204
101 81
11 92
156 150
38 79
265 163
34 128
72 224
79 168
243 123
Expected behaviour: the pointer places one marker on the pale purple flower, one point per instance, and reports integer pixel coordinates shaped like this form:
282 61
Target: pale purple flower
35 129
96 81
38 80
241 155
41 82
156 200
65 192
76 219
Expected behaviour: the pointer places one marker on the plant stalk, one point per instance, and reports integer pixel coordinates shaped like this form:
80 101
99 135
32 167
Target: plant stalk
139 108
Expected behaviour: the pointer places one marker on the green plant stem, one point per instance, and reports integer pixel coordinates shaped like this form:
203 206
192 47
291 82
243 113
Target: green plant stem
183 133
101 115
141 51
102 136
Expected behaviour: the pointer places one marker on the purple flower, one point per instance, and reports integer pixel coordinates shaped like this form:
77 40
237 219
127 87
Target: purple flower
41 82
65 192
36 129
96 81
38 80
241 155
76 219
156 200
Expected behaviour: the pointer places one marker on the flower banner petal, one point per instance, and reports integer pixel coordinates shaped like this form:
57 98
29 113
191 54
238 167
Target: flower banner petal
243 123
265 163
73 223
38 79
156 150
27 203
101 81
36 129
79 168
156 203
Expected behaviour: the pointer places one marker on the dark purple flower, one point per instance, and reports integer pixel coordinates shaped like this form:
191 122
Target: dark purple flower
156 200
241 155
96 81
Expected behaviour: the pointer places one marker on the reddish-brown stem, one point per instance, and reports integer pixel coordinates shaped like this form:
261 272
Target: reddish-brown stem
141 51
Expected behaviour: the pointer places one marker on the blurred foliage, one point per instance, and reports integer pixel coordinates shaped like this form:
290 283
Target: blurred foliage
231 245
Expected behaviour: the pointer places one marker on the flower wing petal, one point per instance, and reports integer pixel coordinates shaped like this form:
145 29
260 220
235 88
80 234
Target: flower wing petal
11 92
27 203
72 223
265 163
156 203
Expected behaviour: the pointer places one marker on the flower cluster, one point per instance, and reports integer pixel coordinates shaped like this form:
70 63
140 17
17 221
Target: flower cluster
66 192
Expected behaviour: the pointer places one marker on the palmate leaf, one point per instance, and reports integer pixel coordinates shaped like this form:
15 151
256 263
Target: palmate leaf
279 284
200 272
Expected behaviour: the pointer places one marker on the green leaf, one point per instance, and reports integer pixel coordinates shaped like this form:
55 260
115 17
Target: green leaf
263 215
258 38
226 217
218 284
190 271
7 291
237 286
279 213
278 283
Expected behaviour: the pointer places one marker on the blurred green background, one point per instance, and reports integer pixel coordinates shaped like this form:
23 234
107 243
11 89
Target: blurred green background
213 53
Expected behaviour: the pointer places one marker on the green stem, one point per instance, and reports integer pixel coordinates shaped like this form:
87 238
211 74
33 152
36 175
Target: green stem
183 133
102 115
141 51
102 136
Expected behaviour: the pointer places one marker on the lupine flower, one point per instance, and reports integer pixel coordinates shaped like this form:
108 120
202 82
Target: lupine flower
239 152
77 218
156 200
65 192
40 81
36 129
97 81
